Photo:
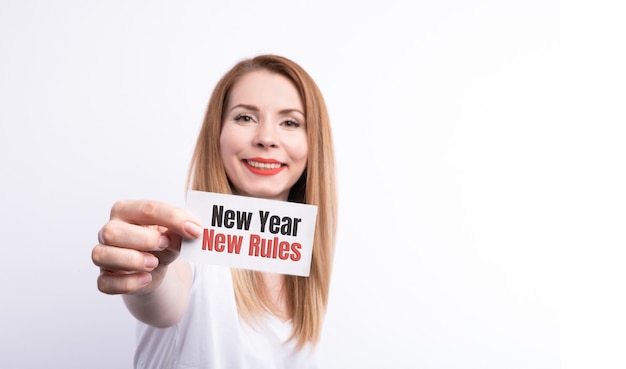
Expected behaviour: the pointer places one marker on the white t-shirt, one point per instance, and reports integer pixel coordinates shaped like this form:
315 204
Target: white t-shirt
212 335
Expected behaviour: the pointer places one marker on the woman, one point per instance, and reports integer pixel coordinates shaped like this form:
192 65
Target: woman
266 134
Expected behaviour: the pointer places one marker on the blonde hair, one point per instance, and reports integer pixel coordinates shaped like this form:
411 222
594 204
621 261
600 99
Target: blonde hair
307 297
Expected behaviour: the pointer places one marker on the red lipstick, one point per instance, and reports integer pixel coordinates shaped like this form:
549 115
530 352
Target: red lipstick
263 166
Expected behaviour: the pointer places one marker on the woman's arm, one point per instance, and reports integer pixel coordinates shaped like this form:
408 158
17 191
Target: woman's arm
165 304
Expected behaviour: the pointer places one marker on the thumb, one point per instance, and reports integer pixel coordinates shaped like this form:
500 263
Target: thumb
172 251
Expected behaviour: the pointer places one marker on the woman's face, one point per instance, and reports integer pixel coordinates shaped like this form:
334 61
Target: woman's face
263 141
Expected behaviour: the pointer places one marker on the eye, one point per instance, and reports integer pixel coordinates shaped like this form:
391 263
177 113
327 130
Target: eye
291 123
243 118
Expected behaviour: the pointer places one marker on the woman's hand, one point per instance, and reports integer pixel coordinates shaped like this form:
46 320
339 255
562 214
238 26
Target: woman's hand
138 243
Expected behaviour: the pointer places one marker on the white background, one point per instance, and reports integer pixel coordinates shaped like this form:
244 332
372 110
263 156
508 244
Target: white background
463 157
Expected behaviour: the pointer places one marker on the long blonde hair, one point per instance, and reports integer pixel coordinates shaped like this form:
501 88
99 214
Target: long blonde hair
307 297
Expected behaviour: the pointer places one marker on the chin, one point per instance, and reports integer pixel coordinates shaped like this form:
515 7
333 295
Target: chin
267 194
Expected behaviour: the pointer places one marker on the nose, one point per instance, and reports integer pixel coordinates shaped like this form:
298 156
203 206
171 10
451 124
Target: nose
266 135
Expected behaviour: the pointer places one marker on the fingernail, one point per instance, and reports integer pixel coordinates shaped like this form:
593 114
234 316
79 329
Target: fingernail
151 262
193 229
145 279
164 242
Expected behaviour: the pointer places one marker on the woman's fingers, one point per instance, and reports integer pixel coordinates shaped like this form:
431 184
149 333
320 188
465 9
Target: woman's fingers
122 234
140 236
147 212
114 258
114 283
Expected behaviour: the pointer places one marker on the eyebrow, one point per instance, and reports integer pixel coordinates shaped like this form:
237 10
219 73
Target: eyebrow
255 109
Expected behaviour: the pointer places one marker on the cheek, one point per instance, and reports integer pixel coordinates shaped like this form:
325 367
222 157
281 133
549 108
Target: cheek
299 153
298 148
228 141
228 153
223 145
304 153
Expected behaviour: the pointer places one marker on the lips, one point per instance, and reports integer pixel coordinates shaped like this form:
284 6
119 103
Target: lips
262 166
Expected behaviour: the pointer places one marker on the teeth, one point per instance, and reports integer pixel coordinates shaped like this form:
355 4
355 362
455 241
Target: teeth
264 165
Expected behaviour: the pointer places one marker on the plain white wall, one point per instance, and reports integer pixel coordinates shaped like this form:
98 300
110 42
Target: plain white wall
446 124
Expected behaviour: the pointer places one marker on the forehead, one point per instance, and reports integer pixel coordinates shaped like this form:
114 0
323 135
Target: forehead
265 89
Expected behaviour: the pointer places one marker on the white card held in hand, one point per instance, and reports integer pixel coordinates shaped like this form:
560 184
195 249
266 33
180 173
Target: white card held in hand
251 233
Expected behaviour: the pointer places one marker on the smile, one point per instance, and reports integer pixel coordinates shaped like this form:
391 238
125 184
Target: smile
259 165
265 167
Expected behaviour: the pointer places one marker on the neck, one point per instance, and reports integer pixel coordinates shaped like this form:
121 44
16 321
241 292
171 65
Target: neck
275 295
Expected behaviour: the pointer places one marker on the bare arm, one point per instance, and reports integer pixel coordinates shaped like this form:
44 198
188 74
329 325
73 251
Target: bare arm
137 256
167 303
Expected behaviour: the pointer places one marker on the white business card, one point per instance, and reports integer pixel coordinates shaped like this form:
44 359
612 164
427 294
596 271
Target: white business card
251 233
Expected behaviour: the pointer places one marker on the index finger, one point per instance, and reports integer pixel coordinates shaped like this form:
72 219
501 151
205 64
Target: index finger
150 212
